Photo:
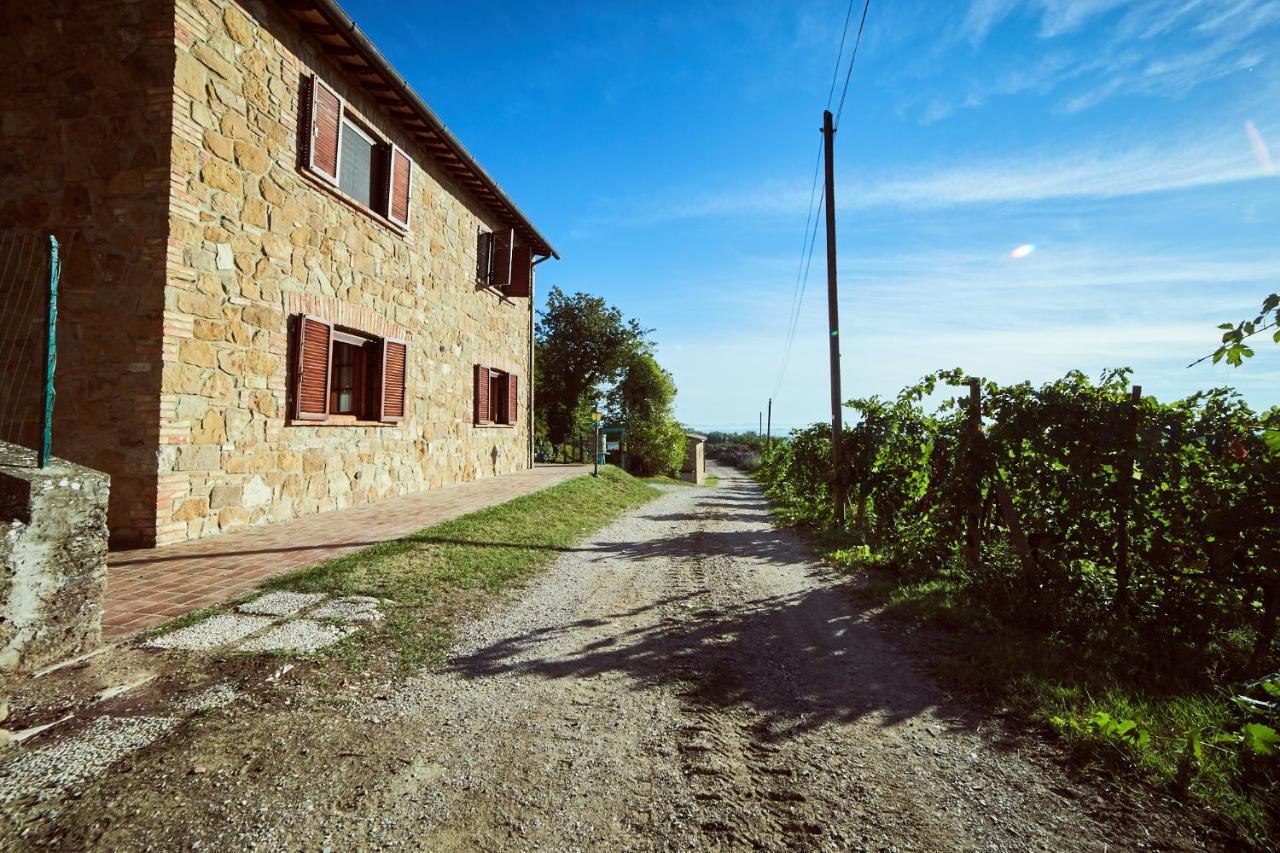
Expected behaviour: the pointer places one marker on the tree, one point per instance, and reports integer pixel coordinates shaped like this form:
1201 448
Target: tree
1234 349
581 343
642 401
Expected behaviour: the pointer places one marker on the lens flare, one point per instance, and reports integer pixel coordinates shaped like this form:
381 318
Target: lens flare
1260 149
1023 250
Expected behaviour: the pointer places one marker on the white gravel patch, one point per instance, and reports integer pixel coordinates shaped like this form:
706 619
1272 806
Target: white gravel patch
212 698
211 633
280 603
48 771
301 635
355 608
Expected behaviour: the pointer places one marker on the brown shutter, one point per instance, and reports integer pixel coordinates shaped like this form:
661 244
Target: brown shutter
325 113
400 179
311 371
394 370
521 272
482 394
382 163
513 398
503 243
484 256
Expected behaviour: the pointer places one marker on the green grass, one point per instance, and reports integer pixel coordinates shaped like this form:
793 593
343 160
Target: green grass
712 480
174 624
1063 685
662 480
439 575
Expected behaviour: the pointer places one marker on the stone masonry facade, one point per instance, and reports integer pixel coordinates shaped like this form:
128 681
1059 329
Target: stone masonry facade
84 153
199 337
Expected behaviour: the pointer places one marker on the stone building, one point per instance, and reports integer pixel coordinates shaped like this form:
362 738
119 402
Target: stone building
287 287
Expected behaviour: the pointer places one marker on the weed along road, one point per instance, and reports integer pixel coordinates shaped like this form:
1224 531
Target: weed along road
687 678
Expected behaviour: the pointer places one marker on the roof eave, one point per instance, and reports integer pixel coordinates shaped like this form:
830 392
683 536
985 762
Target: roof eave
442 145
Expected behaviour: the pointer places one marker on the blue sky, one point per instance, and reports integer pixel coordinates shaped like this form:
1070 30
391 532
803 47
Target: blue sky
667 149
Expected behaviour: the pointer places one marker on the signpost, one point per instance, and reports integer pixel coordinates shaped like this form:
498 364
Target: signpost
595 456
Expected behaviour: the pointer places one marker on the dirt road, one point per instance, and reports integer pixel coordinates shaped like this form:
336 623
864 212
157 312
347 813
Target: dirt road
689 678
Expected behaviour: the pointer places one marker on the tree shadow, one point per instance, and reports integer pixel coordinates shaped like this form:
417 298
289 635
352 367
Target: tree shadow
801 660
799 654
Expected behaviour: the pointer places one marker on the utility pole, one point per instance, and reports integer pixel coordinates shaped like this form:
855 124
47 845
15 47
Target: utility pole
768 427
759 424
833 315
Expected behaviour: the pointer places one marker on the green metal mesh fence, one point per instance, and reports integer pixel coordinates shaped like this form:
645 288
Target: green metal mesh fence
29 273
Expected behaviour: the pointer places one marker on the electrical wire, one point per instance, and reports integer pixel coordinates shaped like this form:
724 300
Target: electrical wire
808 238
810 233
853 57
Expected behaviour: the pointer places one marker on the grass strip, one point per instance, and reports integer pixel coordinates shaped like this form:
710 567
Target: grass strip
439 575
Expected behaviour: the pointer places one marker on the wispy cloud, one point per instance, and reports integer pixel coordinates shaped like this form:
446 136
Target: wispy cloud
1090 174
1120 169
1154 48
1069 306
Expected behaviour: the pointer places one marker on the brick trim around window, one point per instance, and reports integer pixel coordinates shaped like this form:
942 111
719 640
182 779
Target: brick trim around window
322 115
496 400
344 375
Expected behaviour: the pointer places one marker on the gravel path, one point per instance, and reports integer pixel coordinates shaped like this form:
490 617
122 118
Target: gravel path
689 678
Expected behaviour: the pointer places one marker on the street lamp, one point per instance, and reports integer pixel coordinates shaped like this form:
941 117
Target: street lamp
595 456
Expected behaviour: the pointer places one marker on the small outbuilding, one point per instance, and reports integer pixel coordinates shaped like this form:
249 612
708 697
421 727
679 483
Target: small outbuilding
695 464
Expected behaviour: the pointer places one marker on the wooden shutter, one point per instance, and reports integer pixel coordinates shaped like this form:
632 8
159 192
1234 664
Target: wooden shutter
513 398
325 141
394 370
521 272
484 256
399 178
503 243
313 355
482 394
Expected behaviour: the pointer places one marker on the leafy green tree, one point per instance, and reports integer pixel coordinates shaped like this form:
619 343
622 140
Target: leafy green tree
1234 349
642 401
581 343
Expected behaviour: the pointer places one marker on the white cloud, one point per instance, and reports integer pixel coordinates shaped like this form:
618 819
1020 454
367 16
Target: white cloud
1153 48
905 314
1121 169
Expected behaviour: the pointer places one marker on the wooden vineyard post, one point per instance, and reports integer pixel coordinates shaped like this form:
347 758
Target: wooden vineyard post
973 434
1125 505
1016 534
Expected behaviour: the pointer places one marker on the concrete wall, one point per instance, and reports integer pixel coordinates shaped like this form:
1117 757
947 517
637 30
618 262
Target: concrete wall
694 469
254 240
53 559
85 110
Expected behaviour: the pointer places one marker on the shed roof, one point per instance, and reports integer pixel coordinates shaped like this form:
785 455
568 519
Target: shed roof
340 38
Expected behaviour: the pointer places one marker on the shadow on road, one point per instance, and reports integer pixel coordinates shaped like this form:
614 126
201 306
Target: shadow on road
801 658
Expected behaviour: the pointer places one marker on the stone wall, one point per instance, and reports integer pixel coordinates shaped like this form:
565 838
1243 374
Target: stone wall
254 240
85 111
53 559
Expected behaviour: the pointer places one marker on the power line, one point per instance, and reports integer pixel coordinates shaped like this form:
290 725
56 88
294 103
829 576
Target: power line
807 237
835 72
802 275
853 57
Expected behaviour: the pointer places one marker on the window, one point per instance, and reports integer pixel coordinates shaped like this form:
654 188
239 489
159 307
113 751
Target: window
342 151
503 262
350 375
345 376
497 397
355 165
497 401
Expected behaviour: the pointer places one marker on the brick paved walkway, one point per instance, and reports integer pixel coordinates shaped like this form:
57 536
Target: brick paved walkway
152 585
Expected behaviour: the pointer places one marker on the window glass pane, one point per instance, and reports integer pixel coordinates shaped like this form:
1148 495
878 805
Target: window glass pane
344 379
355 171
